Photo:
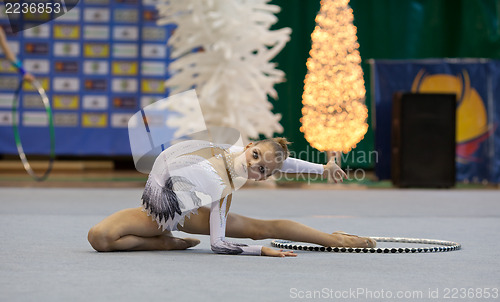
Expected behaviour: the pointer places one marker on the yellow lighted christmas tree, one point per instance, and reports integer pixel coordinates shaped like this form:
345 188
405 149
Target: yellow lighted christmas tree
334 112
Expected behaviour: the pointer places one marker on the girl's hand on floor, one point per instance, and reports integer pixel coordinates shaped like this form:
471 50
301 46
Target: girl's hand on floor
334 171
266 251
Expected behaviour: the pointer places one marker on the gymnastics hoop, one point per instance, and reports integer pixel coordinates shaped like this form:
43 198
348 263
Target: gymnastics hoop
15 127
443 246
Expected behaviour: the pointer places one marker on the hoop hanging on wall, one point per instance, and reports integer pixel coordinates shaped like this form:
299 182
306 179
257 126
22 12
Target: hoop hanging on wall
15 127
441 246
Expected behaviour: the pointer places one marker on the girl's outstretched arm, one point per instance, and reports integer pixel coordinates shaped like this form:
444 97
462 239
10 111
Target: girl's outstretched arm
294 165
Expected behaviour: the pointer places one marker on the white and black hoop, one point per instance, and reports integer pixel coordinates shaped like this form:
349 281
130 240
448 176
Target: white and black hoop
436 246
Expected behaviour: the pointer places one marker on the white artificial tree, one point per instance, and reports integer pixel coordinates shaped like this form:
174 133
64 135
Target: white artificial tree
231 69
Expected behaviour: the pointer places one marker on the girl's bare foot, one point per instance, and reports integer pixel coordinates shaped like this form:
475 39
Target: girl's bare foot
174 243
348 240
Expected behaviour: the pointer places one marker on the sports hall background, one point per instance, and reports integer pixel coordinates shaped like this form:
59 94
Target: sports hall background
103 67
92 61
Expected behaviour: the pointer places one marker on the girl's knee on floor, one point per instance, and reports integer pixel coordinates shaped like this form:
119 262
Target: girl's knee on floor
100 239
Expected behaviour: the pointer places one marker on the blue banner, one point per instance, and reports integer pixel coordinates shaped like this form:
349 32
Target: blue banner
478 109
495 79
99 63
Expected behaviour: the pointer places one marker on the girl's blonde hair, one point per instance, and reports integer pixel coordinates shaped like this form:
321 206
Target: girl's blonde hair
280 147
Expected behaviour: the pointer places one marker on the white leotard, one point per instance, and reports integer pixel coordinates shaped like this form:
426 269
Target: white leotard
179 184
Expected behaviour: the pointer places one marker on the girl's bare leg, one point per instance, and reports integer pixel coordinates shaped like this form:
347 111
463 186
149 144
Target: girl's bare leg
238 226
133 230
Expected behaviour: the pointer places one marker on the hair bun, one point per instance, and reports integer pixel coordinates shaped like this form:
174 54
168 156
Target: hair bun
283 142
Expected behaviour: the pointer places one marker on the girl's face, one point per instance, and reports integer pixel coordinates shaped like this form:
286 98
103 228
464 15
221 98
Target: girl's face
257 161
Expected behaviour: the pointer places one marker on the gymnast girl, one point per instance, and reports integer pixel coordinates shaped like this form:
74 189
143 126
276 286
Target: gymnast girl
190 189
